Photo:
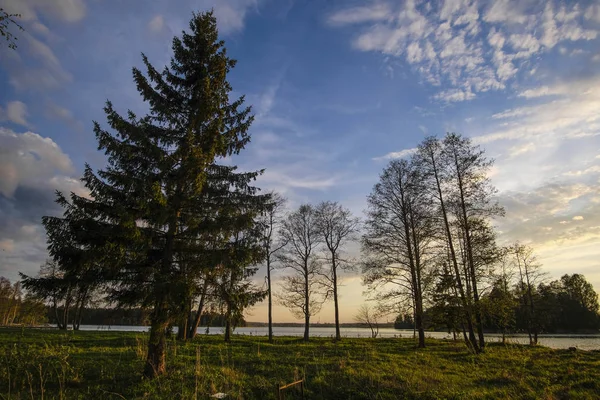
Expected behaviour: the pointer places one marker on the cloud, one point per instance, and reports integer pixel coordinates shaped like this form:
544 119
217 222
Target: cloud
396 154
30 160
572 114
453 95
57 112
469 47
529 214
542 91
593 13
61 10
376 12
15 112
156 24
32 167
231 13
46 73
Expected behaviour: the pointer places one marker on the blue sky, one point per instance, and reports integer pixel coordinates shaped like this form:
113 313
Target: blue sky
338 89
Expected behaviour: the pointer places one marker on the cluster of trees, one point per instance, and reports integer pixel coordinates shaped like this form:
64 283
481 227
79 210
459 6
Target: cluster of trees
19 308
430 247
308 242
429 226
568 304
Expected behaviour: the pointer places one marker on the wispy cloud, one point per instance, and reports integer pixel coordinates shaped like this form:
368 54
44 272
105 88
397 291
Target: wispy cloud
62 10
396 154
355 15
15 112
156 24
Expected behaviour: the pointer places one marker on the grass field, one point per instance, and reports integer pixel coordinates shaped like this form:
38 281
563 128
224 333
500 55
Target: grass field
36 364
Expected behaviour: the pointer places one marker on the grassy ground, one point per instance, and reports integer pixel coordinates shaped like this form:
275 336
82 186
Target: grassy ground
36 364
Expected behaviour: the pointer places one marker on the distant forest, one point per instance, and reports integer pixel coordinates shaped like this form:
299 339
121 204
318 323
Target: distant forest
171 226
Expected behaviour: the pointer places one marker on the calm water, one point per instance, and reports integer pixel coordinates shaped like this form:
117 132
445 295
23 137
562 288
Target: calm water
583 342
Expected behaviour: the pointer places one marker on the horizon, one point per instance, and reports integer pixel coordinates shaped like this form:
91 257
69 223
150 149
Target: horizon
338 90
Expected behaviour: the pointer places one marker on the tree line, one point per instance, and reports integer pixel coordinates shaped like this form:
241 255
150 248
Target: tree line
171 226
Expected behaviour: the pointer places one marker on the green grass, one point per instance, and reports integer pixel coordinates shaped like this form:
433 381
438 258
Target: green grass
36 364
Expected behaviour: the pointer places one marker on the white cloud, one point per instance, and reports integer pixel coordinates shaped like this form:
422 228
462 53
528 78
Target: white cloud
231 13
542 91
29 159
16 112
454 95
441 42
578 218
505 11
62 10
156 24
573 114
376 12
396 154
521 149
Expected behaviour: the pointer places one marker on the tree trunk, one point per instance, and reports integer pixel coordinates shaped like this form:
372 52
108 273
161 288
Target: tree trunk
270 301
156 363
58 319
193 328
182 326
306 304
338 336
228 324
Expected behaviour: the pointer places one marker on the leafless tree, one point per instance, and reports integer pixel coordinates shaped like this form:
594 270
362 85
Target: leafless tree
337 228
369 316
530 275
271 220
471 197
302 290
398 239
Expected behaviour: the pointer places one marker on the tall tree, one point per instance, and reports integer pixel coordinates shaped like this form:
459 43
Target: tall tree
430 163
471 195
163 196
399 236
270 221
302 290
337 227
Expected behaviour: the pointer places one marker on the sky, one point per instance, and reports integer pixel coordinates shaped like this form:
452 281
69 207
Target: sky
338 88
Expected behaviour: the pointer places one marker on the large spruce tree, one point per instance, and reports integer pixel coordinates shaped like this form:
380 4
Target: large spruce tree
164 210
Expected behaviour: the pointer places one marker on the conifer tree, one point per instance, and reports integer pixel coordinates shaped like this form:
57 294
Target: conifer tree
164 210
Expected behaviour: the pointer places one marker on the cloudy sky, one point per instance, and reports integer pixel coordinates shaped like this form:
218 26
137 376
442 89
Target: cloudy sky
338 89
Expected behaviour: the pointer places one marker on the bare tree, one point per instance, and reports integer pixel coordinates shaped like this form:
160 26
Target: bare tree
337 227
270 220
398 238
369 316
529 276
471 196
432 174
302 291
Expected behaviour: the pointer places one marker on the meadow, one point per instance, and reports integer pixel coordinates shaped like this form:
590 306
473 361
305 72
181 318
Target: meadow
52 364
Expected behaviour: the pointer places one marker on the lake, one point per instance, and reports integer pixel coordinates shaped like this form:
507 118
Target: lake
556 341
